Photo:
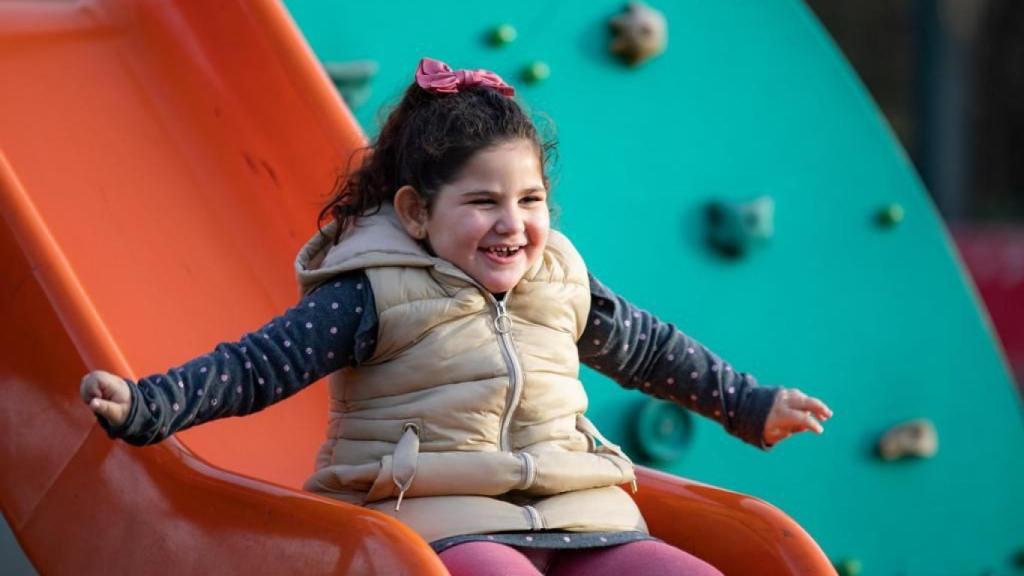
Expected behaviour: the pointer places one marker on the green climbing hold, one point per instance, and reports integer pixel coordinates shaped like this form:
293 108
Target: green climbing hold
536 72
504 34
891 215
849 567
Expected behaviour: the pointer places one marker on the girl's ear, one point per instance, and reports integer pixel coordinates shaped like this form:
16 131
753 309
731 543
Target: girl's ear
412 211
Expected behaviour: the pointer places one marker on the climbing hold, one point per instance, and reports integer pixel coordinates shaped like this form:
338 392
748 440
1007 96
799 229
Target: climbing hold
640 33
849 567
1018 558
502 35
536 71
662 430
352 79
913 439
890 215
734 227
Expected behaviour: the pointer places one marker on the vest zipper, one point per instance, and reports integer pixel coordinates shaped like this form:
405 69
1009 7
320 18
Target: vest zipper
503 325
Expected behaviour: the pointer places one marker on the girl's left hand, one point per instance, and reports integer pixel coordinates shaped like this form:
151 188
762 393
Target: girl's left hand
794 412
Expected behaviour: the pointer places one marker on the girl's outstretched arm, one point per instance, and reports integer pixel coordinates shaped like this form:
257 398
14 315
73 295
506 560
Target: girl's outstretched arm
634 348
332 327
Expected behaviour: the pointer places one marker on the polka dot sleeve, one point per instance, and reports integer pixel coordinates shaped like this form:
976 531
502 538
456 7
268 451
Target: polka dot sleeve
634 348
333 327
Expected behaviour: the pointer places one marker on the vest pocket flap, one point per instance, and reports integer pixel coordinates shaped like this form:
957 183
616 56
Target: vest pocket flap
342 478
602 509
375 429
452 473
559 472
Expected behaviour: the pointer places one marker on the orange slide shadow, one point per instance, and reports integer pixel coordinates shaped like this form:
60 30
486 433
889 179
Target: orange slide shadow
160 164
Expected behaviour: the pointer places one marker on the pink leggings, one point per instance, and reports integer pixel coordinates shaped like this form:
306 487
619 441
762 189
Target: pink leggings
643 557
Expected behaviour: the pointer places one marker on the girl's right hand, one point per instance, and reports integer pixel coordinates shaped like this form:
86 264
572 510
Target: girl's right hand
107 395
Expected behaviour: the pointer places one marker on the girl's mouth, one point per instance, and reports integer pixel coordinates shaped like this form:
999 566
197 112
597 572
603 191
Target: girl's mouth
502 254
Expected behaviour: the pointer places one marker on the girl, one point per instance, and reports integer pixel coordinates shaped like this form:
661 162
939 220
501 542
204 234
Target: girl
452 321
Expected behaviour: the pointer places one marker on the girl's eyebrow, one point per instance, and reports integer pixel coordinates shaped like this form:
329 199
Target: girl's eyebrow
531 190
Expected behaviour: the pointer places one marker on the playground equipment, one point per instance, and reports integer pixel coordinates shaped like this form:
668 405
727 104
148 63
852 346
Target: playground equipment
743 185
160 164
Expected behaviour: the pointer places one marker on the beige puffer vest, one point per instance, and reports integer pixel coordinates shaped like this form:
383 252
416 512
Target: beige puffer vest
469 416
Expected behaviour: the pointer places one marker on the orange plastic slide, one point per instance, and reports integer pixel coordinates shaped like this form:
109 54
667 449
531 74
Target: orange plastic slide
160 164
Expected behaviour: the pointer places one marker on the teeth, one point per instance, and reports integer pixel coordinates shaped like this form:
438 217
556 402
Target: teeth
504 250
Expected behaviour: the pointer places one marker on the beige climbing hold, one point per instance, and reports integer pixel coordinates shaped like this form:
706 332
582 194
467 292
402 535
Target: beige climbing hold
913 439
641 33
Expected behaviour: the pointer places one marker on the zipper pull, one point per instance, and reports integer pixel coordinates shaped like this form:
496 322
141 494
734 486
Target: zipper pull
502 322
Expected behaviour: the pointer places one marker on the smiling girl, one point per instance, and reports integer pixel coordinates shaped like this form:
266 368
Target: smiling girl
452 320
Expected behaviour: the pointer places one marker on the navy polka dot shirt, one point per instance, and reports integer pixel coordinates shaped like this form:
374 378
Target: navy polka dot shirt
336 326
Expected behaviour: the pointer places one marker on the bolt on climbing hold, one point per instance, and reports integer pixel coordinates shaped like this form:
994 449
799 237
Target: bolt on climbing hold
662 430
913 439
890 215
503 34
640 34
352 79
1018 558
536 71
734 227
849 567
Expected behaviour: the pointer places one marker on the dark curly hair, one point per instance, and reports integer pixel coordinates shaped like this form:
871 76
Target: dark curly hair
424 142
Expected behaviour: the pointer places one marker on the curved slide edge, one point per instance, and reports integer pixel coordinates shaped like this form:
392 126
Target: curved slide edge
737 533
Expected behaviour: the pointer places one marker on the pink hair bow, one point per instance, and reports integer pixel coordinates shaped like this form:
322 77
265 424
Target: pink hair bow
436 76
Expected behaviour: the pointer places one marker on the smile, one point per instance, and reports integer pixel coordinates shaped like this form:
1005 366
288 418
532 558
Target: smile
502 254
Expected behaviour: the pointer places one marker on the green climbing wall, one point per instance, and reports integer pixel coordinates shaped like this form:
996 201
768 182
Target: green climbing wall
754 99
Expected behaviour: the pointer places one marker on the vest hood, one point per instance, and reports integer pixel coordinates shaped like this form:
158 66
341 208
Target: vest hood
374 240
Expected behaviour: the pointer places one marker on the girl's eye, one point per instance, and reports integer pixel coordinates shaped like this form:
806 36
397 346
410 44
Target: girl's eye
531 199
482 201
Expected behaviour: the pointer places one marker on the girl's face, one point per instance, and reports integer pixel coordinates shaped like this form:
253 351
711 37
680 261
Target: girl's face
492 221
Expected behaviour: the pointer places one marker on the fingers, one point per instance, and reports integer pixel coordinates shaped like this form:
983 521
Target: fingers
113 413
107 395
110 386
797 400
794 412
814 406
794 421
809 422
100 384
90 387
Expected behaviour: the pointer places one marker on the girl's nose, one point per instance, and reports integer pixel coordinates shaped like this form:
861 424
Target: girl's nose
510 222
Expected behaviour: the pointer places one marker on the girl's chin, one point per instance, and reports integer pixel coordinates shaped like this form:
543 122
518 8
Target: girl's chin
499 287
499 277
498 283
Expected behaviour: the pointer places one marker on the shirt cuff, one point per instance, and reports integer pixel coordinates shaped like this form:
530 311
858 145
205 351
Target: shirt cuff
755 415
